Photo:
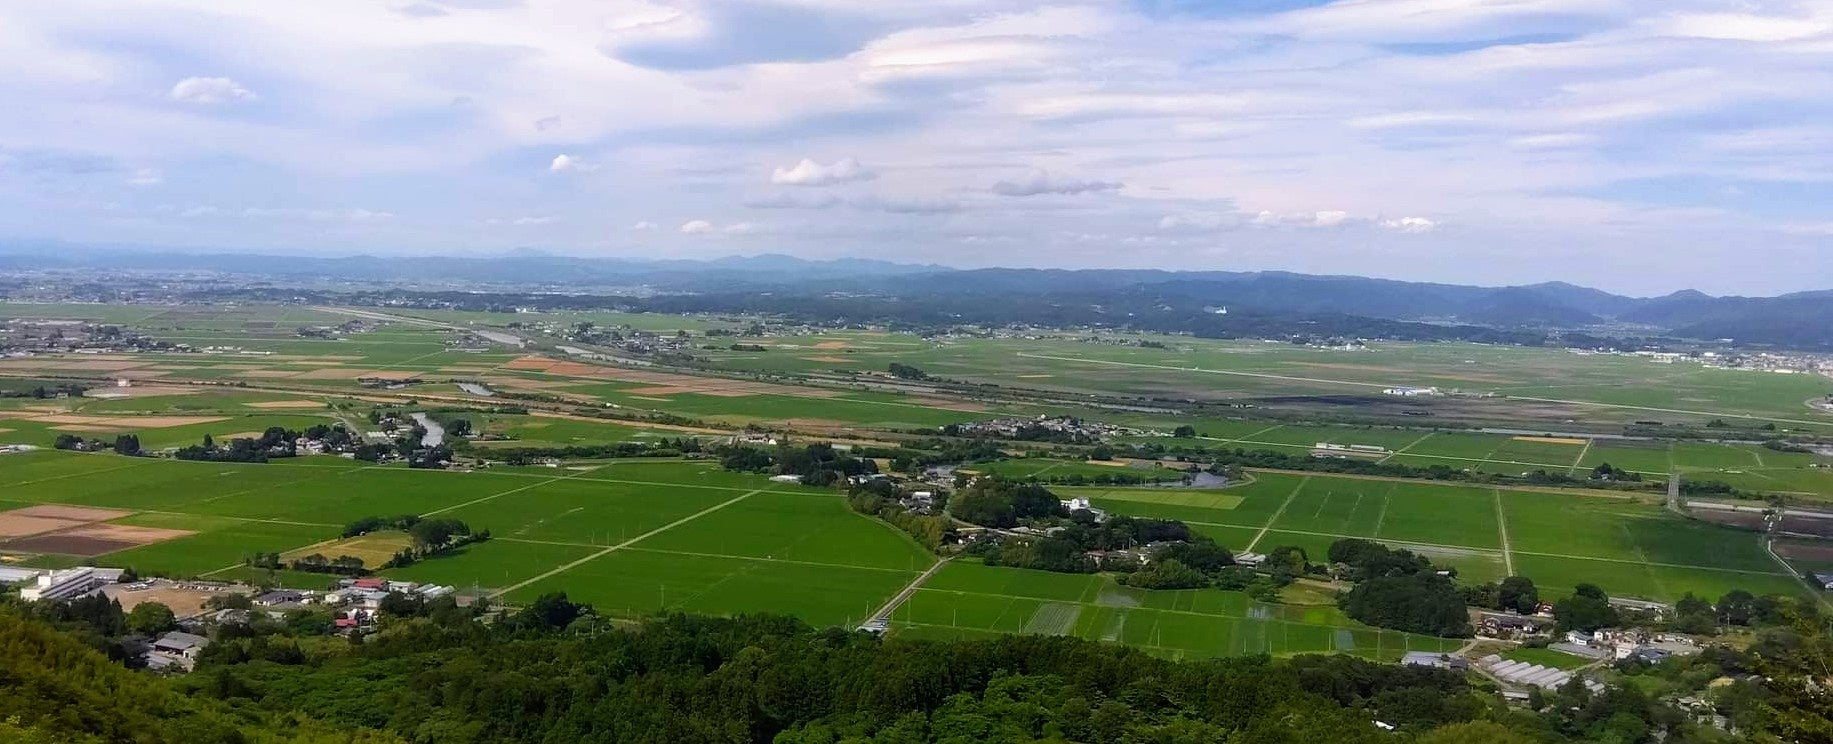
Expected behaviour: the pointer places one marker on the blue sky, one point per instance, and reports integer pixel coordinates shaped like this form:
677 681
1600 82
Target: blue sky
1636 145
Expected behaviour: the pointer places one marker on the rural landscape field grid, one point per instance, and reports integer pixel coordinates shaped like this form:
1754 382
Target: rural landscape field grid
635 537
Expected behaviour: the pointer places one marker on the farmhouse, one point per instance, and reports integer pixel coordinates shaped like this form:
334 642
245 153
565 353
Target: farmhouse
279 597
1082 504
1496 625
176 648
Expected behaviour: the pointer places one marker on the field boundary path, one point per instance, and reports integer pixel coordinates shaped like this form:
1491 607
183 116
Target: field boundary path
1576 461
520 489
563 568
1410 445
883 615
1508 554
1275 518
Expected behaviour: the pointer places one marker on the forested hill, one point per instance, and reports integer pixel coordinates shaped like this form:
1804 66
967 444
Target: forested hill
56 689
554 672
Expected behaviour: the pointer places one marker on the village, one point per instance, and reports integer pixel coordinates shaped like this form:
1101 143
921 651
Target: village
199 610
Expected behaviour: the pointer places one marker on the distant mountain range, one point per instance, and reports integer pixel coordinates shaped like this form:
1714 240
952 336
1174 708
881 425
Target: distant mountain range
1798 320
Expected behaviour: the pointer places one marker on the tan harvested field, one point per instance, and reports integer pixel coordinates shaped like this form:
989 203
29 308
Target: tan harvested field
143 373
142 391
80 365
657 390
127 533
947 404
348 373
535 363
646 424
525 383
374 549
827 359
575 369
240 435
270 373
832 345
92 539
14 525
287 404
1552 440
142 422
1401 373
79 513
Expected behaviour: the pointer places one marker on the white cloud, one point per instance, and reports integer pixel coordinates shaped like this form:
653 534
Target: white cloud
145 177
644 226
1199 221
210 90
793 201
1329 218
563 163
1042 182
318 215
1410 225
811 173
1209 120
907 205
1744 27
696 227
524 221
739 228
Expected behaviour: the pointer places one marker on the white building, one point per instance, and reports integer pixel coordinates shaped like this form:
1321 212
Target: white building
66 584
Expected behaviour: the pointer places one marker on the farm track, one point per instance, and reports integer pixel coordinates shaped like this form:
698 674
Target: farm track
627 543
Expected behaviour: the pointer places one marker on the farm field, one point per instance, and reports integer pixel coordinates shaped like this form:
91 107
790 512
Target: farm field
1048 469
967 598
1743 465
634 537
630 536
1560 540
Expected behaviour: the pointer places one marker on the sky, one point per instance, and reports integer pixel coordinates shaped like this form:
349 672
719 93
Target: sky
1638 146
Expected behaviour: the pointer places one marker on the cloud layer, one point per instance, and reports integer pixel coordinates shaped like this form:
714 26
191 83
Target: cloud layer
1660 145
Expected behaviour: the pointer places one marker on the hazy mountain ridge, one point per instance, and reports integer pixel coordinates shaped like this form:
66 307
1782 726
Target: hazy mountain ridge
1801 319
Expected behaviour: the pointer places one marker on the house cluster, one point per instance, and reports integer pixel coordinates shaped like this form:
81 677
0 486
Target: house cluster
1069 428
1512 627
1412 392
357 601
1617 644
